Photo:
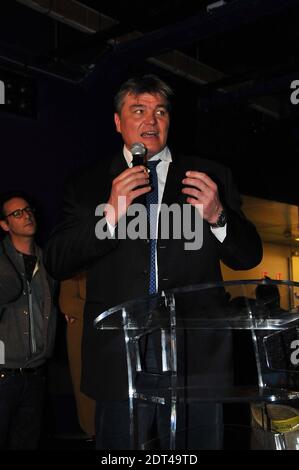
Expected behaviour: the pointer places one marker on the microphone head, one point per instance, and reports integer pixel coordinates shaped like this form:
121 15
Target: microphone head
138 149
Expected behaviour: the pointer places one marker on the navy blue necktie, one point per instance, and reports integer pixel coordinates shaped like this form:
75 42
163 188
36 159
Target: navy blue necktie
151 206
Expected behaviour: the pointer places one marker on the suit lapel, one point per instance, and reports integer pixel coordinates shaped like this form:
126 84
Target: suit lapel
118 165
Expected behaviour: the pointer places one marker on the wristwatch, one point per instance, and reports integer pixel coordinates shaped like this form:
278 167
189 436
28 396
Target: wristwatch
221 221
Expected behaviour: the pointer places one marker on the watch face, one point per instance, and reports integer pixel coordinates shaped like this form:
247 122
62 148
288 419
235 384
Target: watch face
221 221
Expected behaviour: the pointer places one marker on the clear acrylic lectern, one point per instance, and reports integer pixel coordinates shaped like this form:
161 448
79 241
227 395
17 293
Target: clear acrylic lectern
192 330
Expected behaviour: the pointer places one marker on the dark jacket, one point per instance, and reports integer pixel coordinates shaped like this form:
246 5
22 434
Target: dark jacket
118 270
10 281
36 298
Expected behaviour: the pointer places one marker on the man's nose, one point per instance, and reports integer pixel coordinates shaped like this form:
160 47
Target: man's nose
151 118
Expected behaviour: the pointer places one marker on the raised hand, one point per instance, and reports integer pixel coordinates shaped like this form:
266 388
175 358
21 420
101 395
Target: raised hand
126 187
201 189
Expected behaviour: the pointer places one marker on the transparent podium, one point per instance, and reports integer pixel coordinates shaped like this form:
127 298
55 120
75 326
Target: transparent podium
180 349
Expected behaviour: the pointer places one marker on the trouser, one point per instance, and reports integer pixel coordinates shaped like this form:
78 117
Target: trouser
199 425
21 407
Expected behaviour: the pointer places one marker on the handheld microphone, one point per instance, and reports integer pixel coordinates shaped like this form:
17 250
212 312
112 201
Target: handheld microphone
139 151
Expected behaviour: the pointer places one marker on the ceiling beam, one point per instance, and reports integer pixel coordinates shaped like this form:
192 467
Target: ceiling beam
73 13
197 72
233 15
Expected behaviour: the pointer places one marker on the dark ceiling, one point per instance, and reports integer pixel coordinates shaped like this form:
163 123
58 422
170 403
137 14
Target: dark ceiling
241 39
236 51
239 57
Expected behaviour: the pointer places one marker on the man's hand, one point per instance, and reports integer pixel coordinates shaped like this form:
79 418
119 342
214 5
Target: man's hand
126 185
202 190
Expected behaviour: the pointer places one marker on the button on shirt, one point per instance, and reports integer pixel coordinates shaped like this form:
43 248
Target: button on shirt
162 170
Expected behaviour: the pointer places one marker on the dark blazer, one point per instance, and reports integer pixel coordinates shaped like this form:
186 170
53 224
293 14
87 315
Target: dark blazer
14 325
117 270
10 282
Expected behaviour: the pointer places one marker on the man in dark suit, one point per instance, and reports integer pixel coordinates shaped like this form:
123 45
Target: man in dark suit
118 269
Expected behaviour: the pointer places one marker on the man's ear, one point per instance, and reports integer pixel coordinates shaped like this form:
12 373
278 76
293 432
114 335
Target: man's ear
4 226
117 122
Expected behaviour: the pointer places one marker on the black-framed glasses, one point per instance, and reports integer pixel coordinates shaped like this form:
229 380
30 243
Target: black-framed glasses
18 213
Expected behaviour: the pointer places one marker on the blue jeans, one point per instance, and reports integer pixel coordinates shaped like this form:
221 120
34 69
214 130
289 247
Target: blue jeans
21 408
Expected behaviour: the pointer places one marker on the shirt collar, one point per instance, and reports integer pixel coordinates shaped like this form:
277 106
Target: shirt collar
164 155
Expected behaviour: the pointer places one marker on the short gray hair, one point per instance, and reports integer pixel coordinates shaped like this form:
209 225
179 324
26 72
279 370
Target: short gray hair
145 84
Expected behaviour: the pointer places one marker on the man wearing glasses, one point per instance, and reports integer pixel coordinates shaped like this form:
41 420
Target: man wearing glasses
27 325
